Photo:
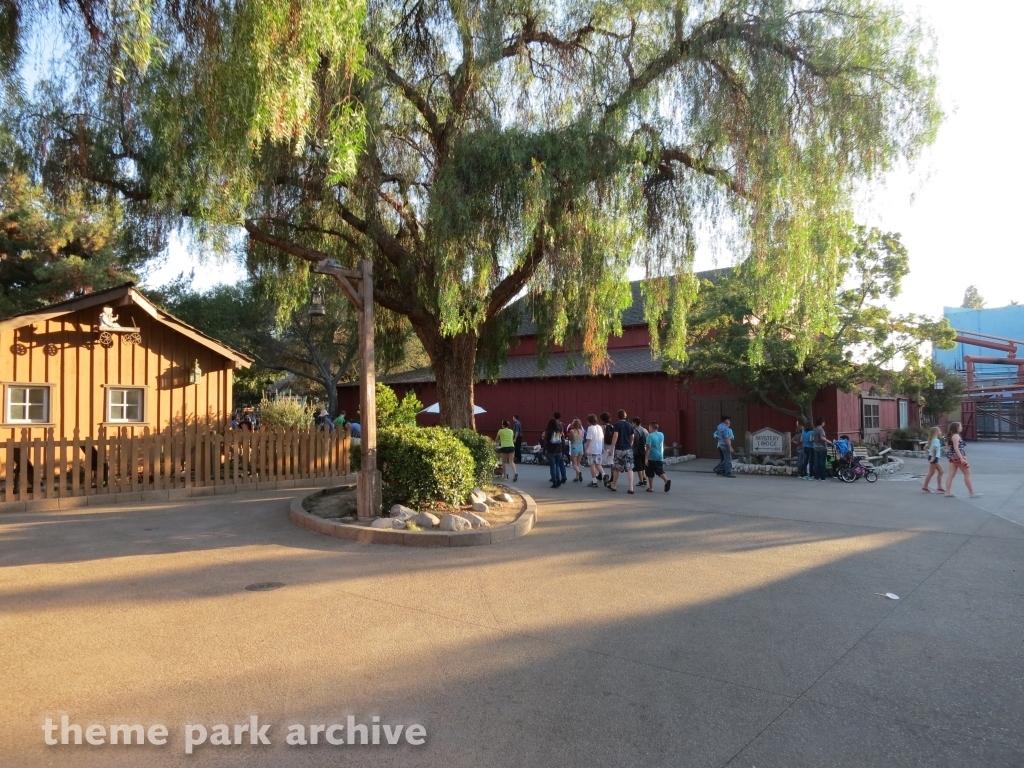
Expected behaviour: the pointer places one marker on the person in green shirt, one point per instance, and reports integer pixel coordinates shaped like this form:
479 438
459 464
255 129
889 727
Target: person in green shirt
506 450
340 421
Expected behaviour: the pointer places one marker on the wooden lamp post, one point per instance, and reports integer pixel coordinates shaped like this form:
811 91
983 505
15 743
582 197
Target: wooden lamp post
357 285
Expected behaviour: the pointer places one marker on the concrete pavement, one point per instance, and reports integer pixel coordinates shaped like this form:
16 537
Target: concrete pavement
727 623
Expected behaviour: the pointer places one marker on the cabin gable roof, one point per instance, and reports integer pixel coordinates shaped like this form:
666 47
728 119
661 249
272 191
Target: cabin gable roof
121 296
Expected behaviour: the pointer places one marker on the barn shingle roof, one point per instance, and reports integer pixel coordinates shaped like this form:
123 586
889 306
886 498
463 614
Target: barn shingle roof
632 316
623 361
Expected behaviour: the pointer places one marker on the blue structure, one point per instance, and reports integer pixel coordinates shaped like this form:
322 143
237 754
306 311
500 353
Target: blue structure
1004 322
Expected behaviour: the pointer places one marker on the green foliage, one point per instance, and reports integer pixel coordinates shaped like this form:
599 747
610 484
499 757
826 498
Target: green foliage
270 324
938 402
785 362
511 147
481 448
53 246
286 414
391 413
973 299
420 467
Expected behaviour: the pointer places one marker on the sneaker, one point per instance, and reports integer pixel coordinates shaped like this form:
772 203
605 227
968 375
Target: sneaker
729 476
976 495
668 484
592 485
515 477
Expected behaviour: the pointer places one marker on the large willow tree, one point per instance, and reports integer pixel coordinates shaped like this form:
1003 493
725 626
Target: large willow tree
519 147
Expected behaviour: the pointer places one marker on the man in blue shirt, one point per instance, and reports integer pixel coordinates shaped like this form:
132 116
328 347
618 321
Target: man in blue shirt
724 436
655 458
354 429
623 459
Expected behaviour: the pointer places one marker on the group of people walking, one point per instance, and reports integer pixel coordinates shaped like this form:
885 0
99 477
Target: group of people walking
624 448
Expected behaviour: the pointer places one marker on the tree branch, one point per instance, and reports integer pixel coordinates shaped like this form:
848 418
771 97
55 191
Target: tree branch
508 288
410 91
293 249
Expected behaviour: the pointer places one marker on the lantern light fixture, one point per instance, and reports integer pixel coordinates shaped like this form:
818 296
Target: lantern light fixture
316 302
195 374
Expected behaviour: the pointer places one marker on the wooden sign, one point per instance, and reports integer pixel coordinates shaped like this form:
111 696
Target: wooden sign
768 442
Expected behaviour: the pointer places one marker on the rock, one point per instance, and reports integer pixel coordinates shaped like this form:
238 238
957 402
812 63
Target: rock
505 497
455 523
475 520
480 507
398 512
424 520
398 523
476 496
492 502
383 522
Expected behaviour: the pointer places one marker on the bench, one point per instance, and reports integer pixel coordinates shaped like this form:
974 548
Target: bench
861 452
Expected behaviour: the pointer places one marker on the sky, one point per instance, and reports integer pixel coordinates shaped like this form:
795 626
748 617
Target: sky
958 211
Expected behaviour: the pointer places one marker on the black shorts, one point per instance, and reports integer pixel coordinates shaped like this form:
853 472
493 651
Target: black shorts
638 462
507 450
933 460
656 468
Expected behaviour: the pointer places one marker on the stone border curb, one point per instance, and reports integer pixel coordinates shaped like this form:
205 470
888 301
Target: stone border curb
521 526
170 494
680 459
910 454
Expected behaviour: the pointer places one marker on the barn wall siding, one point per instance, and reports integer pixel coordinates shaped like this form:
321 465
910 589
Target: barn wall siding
674 402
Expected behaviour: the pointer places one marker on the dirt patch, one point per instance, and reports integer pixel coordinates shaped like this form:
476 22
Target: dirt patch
333 504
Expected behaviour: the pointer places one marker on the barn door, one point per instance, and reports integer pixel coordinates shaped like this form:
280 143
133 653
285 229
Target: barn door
709 415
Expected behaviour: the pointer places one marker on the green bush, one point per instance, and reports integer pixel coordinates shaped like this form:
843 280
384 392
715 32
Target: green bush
391 413
286 414
422 466
482 449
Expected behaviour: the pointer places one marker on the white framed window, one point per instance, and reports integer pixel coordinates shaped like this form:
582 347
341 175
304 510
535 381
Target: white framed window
904 414
126 405
27 404
871 416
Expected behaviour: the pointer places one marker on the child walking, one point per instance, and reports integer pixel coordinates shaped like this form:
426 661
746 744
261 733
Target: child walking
934 468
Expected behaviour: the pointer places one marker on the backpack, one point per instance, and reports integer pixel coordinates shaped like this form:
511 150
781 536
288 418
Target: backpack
609 434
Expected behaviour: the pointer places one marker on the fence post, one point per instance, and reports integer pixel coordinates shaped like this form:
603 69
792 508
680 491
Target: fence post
63 467
9 471
102 464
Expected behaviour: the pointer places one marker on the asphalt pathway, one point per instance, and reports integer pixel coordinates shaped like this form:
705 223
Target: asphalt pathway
727 623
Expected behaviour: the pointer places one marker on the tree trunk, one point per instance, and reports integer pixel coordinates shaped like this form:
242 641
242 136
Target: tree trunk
332 398
454 361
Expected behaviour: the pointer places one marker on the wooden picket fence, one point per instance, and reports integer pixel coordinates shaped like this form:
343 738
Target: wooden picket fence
116 462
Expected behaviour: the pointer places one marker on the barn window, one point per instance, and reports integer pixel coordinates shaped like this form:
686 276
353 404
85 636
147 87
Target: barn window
871 417
28 404
125 404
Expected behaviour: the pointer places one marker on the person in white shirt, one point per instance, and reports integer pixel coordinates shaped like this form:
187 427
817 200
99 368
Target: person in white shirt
595 446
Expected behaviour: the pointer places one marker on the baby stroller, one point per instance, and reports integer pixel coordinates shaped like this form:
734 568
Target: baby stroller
854 469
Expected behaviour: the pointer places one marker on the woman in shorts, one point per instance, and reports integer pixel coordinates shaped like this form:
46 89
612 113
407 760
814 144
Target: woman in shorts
934 452
957 460
576 437
506 450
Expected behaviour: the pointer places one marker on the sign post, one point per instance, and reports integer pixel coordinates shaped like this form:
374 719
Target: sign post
358 287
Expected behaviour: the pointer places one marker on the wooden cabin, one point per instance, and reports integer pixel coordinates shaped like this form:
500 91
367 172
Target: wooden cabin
110 359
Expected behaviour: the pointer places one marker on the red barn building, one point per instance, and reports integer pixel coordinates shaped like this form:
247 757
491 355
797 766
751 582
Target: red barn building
688 410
